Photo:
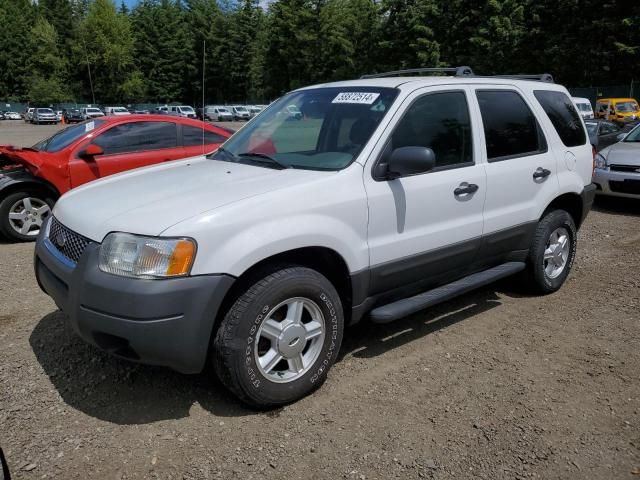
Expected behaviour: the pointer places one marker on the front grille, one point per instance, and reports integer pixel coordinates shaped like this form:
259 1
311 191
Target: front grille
627 186
67 242
625 168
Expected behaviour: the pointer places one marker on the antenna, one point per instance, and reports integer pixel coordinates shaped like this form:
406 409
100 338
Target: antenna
204 49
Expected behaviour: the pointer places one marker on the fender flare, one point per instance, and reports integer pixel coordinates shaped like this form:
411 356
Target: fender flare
13 180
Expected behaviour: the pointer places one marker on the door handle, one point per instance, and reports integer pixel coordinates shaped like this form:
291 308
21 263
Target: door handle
465 188
541 173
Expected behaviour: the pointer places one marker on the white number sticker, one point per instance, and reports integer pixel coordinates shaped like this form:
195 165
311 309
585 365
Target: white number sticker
365 98
88 127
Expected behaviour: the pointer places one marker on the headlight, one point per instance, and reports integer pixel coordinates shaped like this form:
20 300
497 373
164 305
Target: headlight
601 162
130 255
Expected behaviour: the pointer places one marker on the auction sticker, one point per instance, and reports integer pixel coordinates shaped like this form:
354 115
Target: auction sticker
89 126
365 98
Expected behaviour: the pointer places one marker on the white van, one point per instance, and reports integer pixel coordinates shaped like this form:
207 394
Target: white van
118 111
584 107
387 198
183 111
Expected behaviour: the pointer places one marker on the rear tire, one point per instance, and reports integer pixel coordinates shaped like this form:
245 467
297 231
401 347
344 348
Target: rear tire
280 337
552 252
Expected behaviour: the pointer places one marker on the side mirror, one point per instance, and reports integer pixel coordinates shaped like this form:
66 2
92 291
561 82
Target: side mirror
91 151
405 161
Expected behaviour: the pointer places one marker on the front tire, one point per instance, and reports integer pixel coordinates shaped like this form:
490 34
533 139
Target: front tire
280 337
552 252
22 215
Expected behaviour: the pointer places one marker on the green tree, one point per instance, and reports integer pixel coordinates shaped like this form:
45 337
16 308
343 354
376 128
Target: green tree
16 18
47 68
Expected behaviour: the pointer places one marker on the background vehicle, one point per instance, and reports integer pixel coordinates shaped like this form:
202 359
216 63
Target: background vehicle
182 111
116 111
584 107
12 116
617 171
387 197
28 114
618 110
73 116
217 114
44 115
239 112
603 133
33 178
91 112
2 116
254 110
163 109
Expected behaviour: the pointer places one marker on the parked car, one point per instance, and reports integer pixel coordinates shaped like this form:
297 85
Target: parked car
140 112
116 111
12 116
618 110
28 114
182 111
2 116
91 112
291 112
391 198
617 171
254 110
217 113
603 133
162 109
44 115
239 112
73 115
584 107
33 178
59 115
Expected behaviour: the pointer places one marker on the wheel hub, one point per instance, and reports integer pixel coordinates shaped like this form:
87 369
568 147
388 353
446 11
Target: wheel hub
556 254
291 341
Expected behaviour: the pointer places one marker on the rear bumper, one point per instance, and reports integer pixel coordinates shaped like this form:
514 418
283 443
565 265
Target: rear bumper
158 322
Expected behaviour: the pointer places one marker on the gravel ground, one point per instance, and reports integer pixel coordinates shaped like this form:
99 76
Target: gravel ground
497 384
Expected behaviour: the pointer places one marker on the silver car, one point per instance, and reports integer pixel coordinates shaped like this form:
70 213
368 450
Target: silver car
44 115
617 171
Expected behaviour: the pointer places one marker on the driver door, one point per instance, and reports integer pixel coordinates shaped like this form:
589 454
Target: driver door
127 146
422 230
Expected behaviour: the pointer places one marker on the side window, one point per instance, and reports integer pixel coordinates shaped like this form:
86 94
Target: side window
510 128
608 128
138 137
193 136
441 122
563 115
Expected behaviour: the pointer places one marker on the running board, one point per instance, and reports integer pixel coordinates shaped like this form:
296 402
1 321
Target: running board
402 308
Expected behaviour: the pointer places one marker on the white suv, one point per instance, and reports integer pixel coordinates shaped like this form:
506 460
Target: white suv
389 195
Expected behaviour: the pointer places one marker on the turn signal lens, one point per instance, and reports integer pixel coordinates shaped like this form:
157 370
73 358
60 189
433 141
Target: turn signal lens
136 256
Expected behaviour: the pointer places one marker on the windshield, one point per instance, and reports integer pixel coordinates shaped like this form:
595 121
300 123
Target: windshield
333 127
93 110
634 135
120 110
66 137
627 107
584 107
186 109
240 109
592 127
44 110
223 110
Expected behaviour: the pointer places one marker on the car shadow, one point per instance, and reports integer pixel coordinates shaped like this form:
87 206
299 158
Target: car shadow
617 206
123 392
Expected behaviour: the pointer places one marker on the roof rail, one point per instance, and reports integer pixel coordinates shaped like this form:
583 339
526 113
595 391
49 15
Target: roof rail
456 71
542 77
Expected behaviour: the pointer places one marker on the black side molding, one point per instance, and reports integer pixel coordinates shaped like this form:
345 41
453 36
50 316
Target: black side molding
407 306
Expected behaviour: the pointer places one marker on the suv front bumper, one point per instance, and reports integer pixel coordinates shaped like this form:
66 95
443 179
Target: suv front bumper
164 322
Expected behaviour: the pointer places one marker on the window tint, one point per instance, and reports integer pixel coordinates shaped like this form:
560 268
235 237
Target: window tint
138 137
607 127
193 136
563 115
438 121
510 128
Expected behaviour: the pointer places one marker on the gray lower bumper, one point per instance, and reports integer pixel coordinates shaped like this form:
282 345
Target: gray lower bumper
617 184
158 322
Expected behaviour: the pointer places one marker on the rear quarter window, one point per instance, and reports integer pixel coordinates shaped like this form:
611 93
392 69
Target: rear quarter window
563 115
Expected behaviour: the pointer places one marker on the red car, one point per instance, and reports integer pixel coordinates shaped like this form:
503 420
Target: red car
31 179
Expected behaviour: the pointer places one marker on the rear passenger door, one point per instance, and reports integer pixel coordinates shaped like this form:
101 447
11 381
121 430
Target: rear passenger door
521 171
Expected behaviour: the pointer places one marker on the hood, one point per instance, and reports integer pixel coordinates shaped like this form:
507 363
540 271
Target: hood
149 200
622 153
26 157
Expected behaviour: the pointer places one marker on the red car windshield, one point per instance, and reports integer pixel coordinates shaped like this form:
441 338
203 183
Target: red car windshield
66 137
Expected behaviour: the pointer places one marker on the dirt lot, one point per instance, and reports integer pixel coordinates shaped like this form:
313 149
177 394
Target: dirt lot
495 385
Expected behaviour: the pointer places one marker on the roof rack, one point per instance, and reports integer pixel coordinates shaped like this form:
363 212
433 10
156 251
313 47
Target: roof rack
456 71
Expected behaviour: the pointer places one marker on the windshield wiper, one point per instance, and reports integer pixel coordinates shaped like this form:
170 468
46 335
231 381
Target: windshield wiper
264 157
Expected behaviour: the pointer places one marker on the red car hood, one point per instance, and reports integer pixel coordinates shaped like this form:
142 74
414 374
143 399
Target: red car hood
27 157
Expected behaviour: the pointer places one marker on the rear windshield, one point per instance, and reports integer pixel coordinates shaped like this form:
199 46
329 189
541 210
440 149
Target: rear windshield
627 107
66 137
563 115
